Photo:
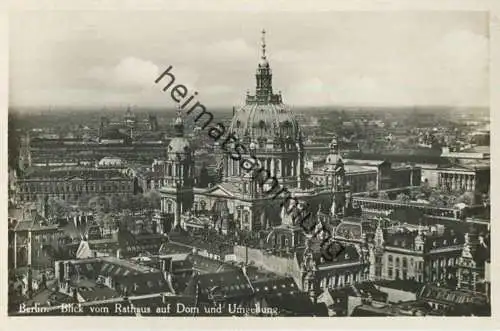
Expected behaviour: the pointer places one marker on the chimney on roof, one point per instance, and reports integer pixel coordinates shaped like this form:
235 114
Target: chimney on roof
166 264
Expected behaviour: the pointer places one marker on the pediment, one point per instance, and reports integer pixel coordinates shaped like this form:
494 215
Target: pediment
221 191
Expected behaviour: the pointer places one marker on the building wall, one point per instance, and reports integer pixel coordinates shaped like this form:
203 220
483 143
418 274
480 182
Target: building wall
442 266
276 264
402 266
72 189
425 267
431 175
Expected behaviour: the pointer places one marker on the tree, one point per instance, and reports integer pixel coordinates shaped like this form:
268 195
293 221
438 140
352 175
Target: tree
467 198
371 188
57 208
425 188
407 215
383 195
403 197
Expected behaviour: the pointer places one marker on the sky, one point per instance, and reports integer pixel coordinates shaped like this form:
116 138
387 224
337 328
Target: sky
111 59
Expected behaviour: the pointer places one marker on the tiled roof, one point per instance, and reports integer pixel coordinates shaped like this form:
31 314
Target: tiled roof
206 265
296 304
139 284
447 296
229 284
97 293
400 284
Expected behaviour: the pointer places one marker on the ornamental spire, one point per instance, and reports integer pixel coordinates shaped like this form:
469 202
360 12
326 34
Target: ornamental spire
179 124
263 44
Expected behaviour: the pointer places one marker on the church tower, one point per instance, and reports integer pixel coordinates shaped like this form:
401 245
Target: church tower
310 283
467 271
377 253
335 179
177 194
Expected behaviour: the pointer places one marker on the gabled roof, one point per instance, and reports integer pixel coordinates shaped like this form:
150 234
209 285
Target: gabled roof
148 283
229 284
268 286
446 296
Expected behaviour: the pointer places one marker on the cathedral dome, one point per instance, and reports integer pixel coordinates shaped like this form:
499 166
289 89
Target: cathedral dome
265 121
264 118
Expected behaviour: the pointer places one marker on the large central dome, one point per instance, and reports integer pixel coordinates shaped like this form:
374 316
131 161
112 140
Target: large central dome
265 121
264 115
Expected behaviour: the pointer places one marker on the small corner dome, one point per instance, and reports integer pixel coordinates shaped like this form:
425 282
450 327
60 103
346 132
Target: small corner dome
178 145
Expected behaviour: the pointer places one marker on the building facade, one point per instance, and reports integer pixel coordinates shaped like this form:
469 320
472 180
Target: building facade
72 183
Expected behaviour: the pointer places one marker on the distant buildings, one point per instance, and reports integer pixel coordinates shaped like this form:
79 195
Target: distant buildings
71 183
381 175
352 237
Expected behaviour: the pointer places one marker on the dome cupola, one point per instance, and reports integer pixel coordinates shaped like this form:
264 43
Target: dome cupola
179 147
264 115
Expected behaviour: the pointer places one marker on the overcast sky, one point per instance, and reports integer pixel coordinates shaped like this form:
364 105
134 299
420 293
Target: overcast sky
331 58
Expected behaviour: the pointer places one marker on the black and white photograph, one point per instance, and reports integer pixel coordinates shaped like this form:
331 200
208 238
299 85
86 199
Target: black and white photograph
327 164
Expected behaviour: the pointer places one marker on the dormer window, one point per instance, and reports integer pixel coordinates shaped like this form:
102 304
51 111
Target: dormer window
346 256
238 124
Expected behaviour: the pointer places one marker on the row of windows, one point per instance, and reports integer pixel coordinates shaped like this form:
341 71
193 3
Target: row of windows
65 188
402 274
403 262
33 197
340 280
380 205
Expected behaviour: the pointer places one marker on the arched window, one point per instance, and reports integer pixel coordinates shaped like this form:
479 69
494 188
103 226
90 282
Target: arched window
262 125
389 259
397 262
238 124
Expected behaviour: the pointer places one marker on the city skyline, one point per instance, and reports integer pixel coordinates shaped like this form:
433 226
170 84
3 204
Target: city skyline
362 63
